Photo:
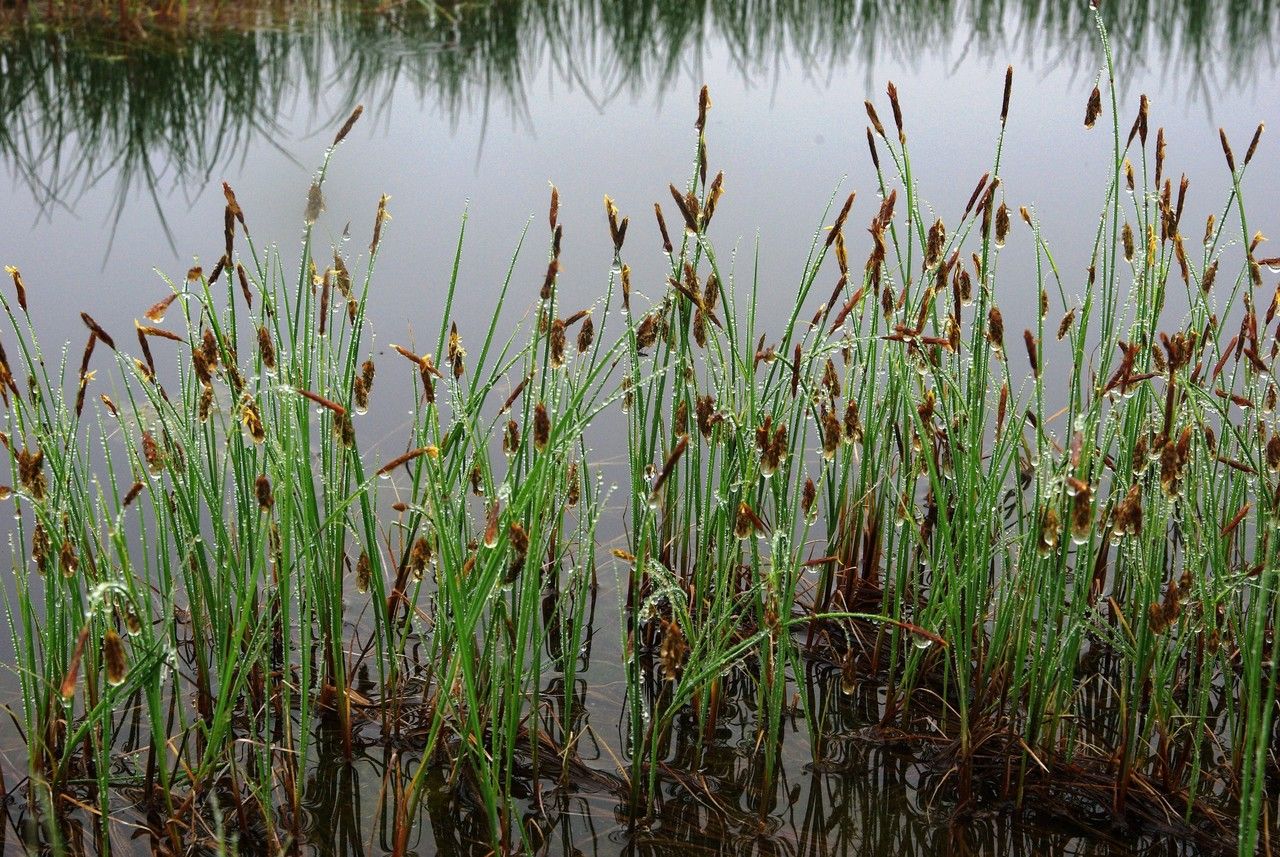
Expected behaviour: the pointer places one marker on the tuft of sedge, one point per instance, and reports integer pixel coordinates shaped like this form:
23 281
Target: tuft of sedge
556 342
626 288
617 228
68 561
574 492
667 246
200 364
511 438
341 277
1002 406
262 488
218 269
346 126
977 191
1064 326
892 92
1082 515
18 285
1226 150
831 433
1161 150
1127 518
744 526
1033 354
364 572
871 146
553 213
704 412
686 212
519 541
315 204
541 427
586 334
995 330
381 217
156 312
672 650
831 379
936 243
209 348
80 391
360 394
1253 144
874 119
1050 532
491 526
1093 109
456 352
808 498
344 429
837 228
704 105
152 454
232 204
852 423
1002 224
97 330
1210 274
1140 122
266 349
326 284
252 420
1273 453
41 544
1008 91
420 556
72 678
709 204
132 621
114 658
134 490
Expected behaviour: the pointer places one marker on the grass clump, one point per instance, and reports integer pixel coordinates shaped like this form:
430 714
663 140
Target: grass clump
1065 583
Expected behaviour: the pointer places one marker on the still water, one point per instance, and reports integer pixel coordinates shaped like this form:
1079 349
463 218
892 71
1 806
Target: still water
113 156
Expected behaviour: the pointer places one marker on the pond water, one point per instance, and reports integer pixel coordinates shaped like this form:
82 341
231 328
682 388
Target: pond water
113 156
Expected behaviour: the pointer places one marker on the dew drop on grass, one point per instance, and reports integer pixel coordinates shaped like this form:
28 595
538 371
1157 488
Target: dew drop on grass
920 642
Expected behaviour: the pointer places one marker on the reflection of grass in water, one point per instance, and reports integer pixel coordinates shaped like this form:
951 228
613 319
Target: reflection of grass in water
167 111
1076 602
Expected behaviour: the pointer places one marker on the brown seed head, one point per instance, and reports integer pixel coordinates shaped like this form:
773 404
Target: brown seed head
262 487
1093 109
541 427
114 658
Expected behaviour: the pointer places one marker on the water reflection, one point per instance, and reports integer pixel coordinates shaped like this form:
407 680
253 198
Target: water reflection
162 115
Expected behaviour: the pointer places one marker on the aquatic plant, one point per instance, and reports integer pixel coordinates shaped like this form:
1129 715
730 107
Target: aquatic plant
1064 583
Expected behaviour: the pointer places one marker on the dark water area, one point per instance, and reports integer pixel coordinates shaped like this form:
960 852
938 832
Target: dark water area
113 156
